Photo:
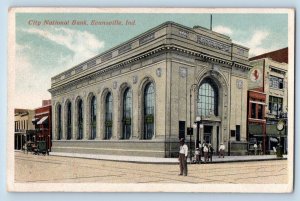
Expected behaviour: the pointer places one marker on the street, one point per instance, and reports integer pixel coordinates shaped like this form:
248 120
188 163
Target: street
55 169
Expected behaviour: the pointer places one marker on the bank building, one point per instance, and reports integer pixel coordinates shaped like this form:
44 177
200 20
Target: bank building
140 97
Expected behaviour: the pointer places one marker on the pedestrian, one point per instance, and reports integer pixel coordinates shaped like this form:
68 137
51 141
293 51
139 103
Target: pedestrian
255 148
200 151
205 152
210 152
222 150
183 153
259 149
197 153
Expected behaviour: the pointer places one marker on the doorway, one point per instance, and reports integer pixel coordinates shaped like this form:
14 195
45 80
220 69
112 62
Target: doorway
207 134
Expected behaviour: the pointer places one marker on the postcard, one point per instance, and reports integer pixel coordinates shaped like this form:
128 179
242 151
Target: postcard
151 100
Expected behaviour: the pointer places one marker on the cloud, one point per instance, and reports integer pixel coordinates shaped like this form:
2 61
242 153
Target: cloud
83 44
223 30
257 43
33 73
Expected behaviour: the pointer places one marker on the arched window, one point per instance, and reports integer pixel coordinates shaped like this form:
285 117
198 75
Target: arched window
149 111
127 107
80 119
208 98
93 117
69 121
59 130
108 116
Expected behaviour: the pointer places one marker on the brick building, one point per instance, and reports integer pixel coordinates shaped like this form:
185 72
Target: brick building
267 99
43 125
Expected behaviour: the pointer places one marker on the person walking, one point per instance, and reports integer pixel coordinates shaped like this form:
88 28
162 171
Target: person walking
200 151
197 154
183 153
222 150
255 148
210 152
205 152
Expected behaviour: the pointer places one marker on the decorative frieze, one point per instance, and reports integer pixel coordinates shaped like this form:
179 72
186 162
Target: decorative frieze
91 63
203 40
183 33
106 57
124 48
147 38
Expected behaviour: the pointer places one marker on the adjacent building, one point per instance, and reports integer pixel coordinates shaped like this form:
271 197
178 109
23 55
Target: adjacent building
23 125
43 125
268 98
139 97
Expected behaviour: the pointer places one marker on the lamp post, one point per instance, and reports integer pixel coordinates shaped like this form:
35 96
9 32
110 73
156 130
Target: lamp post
198 123
193 87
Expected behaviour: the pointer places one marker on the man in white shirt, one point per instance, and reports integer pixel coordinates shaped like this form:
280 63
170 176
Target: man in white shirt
222 150
183 153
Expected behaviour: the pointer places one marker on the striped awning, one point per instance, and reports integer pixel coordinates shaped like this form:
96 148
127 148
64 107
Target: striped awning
42 120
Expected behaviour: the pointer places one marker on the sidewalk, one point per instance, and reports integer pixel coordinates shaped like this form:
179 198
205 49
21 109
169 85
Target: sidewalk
139 159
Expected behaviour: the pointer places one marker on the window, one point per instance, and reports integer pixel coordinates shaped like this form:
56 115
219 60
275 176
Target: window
93 117
275 105
276 82
59 130
260 111
232 133
80 119
253 110
149 111
108 116
69 121
207 98
127 107
238 133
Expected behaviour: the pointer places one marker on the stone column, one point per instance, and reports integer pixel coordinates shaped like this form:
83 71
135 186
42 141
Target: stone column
53 121
116 117
135 113
85 118
64 121
98 118
74 136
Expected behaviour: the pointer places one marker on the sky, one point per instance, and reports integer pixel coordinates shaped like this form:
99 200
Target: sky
43 51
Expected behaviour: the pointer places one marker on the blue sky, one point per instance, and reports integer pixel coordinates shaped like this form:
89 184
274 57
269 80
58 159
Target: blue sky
44 51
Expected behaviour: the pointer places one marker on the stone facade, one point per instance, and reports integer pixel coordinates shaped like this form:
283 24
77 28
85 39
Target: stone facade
172 57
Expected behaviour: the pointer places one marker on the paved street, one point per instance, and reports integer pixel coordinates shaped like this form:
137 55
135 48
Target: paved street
55 169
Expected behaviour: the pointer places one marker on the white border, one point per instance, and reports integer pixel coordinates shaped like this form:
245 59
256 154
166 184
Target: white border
128 187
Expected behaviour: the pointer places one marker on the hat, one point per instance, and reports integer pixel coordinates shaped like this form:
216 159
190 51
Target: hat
181 140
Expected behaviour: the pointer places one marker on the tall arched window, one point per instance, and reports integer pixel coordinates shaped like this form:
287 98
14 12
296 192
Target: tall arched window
59 130
149 111
108 116
93 117
80 119
127 107
69 121
208 98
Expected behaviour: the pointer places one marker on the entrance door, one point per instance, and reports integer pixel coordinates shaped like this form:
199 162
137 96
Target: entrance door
207 134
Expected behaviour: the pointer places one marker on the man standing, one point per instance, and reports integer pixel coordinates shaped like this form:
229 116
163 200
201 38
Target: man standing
222 150
183 153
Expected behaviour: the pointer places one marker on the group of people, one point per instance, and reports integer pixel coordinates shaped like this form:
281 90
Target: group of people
206 150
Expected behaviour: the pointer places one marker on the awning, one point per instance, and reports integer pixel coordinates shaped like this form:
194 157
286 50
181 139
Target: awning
42 120
34 120
272 139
